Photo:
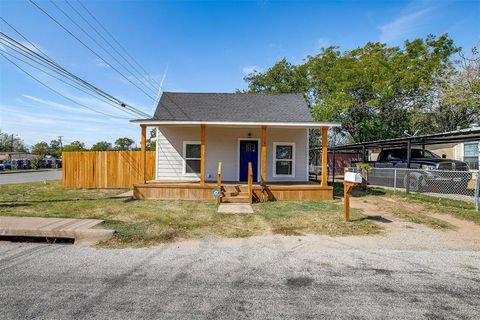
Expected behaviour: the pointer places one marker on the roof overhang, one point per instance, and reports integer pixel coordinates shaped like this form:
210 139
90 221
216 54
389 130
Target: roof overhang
443 138
163 123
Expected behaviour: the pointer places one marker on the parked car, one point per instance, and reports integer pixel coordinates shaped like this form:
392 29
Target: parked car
431 169
7 166
2 167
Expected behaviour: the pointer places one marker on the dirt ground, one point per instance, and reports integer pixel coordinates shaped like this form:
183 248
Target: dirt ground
401 234
398 233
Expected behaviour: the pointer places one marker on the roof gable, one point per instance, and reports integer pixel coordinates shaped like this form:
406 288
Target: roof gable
232 107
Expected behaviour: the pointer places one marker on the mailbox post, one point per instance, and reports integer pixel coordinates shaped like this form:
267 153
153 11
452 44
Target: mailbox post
350 180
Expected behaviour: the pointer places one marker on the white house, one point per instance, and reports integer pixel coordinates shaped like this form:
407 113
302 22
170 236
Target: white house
198 131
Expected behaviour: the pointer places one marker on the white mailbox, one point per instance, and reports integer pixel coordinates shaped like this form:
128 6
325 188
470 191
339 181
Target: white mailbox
353 177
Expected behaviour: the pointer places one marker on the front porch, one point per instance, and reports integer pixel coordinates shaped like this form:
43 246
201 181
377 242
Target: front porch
274 191
261 178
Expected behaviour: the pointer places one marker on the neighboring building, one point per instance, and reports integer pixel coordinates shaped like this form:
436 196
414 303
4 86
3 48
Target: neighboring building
467 152
197 131
23 160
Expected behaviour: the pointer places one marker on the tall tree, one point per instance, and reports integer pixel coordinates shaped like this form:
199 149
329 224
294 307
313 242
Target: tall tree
11 143
55 148
75 146
40 149
101 146
373 91
124 144
151 142
456 103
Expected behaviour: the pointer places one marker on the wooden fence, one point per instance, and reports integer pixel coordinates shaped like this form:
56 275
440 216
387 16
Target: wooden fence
105 169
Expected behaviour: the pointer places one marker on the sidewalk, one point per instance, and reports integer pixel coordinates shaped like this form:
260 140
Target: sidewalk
78 229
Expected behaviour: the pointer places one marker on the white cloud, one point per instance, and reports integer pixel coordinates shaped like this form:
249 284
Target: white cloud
250 69
56 105
413 17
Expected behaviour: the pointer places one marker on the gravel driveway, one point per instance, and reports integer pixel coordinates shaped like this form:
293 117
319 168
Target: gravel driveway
272 277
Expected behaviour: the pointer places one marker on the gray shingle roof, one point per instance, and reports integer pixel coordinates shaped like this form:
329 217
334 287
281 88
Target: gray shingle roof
232 107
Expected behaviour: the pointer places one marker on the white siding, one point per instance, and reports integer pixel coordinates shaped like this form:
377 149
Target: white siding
222 144
170 152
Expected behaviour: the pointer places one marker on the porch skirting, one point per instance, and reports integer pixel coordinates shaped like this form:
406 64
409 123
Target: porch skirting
194 191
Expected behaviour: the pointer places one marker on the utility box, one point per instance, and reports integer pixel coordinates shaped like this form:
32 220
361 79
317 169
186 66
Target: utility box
353 177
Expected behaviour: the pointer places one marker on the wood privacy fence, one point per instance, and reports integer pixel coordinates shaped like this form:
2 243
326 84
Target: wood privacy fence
105 169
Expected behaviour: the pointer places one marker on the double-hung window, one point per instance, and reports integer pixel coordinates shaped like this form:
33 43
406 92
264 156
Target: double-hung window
283 159
191 154
470 154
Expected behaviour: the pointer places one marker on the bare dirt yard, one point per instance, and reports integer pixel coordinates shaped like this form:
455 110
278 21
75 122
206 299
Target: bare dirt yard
413 225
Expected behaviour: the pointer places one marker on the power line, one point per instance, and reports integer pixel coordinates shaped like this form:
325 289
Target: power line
17 47
102 47
69 84
57 92
90 49
24 38
146 79
12 43
118 43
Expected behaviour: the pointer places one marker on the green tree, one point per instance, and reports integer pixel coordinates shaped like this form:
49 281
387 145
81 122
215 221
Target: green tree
282 77
457 102
55 148
75 146
373 91
151 143
102 146
11 143
40 149
124 144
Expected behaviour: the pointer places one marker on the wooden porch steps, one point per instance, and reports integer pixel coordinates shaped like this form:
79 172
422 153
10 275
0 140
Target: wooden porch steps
236 199
235 194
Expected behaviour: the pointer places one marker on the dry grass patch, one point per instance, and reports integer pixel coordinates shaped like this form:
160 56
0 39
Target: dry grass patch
150 222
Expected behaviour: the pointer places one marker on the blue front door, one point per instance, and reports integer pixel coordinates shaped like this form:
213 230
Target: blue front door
248 153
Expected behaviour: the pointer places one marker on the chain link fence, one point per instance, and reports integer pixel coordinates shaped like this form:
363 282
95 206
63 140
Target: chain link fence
456 185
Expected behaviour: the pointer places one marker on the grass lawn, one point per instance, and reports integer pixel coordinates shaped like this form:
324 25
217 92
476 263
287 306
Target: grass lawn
142 223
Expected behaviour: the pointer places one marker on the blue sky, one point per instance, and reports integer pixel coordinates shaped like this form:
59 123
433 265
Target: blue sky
206 46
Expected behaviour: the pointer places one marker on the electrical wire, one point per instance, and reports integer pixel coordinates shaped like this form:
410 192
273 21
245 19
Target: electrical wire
47 61
102 47
90 49
118 43
57 92
146 79
69 84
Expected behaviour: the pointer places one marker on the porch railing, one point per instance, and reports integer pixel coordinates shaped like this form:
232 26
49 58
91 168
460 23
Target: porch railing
250 180
219 182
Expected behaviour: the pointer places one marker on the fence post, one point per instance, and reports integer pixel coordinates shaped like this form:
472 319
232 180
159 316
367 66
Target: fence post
395 180
477 187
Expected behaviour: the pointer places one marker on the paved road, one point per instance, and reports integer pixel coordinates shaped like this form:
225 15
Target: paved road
251 279
30 176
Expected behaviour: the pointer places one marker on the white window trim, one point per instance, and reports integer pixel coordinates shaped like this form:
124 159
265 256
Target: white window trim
184 159
274 157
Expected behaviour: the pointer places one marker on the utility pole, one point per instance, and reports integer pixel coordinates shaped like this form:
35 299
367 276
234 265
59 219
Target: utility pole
61 145
61 149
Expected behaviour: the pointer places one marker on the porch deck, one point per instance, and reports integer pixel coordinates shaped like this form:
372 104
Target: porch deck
194 190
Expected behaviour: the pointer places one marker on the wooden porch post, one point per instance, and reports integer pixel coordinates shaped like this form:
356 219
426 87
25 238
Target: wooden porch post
263 156
144 152
324 156
202 155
